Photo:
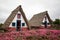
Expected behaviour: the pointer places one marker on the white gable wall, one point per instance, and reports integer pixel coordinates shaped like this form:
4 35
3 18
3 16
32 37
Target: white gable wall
15 19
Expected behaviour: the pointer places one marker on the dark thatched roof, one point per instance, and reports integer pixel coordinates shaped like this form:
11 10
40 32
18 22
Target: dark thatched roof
37 19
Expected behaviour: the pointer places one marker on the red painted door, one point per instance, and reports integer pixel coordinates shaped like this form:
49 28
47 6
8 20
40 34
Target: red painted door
18 25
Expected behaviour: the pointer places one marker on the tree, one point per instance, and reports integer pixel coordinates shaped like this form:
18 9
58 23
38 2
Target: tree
57 21
56 24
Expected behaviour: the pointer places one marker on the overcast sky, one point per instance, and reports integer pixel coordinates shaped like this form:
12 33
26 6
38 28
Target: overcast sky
30 8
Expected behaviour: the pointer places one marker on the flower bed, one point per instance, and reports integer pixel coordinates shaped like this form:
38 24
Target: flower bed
38 34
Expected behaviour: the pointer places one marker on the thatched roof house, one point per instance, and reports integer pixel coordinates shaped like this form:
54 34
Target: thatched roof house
12 16
37 19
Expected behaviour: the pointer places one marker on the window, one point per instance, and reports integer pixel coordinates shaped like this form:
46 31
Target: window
13 24
23 24
18 16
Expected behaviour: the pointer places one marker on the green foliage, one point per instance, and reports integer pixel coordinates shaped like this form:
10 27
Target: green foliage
57 21
1 24
56 24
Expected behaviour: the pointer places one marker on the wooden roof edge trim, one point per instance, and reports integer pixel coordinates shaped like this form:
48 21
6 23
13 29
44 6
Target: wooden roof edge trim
16 9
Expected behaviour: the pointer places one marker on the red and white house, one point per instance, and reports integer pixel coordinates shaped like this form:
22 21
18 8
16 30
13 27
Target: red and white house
18 21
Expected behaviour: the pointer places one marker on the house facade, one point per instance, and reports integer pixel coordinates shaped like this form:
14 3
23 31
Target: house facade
16 19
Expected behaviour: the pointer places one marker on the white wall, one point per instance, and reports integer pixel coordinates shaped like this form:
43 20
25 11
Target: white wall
14 20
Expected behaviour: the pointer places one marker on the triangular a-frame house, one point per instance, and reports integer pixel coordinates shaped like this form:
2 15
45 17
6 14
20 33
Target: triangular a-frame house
37 19
12 16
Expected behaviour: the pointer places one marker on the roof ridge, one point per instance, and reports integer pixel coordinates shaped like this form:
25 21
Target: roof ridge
41 13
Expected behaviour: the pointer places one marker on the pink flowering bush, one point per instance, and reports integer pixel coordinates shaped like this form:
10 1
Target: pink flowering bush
38 34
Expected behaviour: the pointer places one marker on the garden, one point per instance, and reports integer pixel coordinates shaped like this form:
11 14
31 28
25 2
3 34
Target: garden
38 34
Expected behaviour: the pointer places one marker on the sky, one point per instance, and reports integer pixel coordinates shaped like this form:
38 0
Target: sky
30 8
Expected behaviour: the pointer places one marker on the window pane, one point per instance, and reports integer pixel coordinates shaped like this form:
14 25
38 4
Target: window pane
13 24
23 24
